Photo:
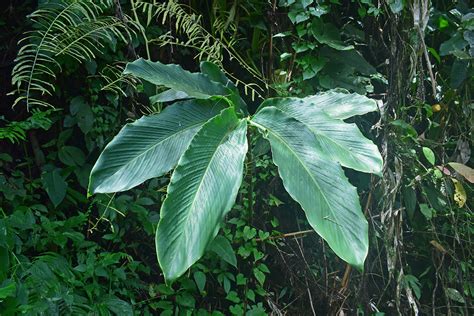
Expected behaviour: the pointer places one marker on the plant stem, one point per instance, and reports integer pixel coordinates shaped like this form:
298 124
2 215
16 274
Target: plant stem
251 172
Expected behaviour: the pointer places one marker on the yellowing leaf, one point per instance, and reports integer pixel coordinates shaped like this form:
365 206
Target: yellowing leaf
438 246
459 193
436 107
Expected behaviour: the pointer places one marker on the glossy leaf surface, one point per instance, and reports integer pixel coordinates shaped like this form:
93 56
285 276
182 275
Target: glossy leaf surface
150 146
195 85
336 104
335 139
318 184
202 190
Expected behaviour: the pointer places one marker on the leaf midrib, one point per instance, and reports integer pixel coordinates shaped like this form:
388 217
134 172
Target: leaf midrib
323 135
154 145
304 166
191 205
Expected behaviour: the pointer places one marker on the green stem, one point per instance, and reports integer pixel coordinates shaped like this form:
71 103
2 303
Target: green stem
251 173
142 29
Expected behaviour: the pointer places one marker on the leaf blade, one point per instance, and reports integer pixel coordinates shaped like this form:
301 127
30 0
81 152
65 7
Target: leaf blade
337 104
202 190
174 77
330 202
337 140
130 158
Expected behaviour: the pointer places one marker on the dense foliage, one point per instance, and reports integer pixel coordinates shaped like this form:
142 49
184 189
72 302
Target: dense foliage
267 81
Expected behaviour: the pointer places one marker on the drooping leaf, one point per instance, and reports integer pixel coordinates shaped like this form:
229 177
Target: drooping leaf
150 146
465 171
335 139
336 104
222 247
202 190
319 185
172 76
55 186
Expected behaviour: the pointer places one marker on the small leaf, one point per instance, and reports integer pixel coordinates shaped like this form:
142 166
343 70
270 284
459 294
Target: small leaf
241 279
186 300
426 211
226 282
233 297
71 156
200 279
259 275
251 295
55 186
164 289
454 295
460 196
222 247
429 155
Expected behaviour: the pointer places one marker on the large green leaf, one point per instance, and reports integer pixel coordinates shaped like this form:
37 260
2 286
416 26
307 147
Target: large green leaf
318 184
215 74
150 146
338 105
336 139
202 190
195 85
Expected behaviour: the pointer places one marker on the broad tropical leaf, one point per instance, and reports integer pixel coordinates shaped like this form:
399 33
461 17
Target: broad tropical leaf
150 146
168 96
215 74
195 85
202 190
335 139
318 184
336 104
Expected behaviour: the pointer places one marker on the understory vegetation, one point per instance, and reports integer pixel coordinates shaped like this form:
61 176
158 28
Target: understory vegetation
280 157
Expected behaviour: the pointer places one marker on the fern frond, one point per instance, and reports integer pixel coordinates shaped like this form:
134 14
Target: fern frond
115 80
16 131
73 28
